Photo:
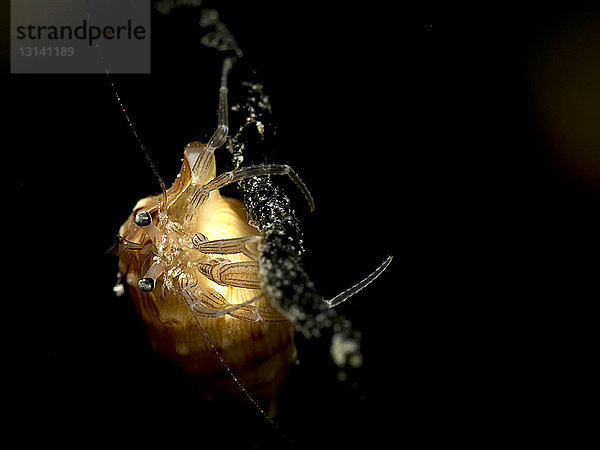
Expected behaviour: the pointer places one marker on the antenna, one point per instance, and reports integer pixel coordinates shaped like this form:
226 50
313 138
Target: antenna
142 147
162 203
240 386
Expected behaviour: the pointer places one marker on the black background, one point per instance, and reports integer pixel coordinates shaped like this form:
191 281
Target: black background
415 129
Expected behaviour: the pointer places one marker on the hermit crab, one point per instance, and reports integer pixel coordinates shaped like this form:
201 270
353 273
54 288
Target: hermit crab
219 281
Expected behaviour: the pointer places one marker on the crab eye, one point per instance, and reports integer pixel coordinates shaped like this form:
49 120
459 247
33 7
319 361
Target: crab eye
143 219
146 284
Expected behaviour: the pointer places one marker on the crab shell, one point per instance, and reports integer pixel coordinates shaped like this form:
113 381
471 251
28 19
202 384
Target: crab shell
258 353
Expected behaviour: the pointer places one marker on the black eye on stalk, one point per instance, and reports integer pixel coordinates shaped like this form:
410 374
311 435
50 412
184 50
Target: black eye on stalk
143 219
146 284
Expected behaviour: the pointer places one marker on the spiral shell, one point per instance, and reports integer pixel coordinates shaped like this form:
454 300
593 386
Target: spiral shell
259 353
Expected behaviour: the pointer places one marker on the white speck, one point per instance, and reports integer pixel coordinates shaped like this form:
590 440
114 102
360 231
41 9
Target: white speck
118 288
260 127
345 350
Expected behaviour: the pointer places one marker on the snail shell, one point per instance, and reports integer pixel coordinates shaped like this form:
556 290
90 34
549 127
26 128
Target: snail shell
258 352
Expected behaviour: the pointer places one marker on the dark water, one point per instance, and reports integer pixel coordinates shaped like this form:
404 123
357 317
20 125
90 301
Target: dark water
416 132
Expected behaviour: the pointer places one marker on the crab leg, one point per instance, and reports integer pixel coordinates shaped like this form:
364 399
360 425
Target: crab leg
242 274
212 304
126 245
242 173
345 295
226 246
203 161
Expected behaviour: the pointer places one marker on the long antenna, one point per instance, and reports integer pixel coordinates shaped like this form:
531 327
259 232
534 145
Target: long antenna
140 143
239 384
163 202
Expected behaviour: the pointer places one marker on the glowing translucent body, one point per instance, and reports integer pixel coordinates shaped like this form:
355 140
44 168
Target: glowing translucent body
259 351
